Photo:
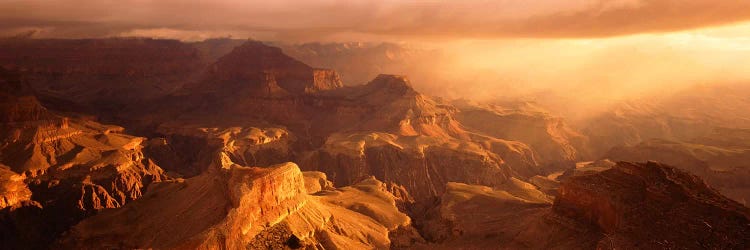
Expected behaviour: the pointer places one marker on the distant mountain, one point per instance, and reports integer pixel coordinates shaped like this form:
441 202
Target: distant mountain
359 62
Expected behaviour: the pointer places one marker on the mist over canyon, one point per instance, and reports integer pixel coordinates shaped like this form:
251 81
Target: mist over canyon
119 132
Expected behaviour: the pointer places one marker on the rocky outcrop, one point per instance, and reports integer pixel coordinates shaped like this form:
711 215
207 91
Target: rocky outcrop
246 207
398 108
18 101
234 205
384 128
75 171
13 189
654 206
188 149
721 165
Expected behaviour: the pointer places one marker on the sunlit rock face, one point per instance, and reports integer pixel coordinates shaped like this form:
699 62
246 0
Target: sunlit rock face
13 190
247 207
515 215
233 205
73 167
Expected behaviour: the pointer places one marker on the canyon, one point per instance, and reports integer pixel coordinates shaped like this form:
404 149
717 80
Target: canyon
133 143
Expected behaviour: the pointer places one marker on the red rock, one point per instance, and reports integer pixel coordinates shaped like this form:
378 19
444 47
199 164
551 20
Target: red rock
654 206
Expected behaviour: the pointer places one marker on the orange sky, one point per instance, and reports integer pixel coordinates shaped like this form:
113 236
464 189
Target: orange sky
593 49
307 20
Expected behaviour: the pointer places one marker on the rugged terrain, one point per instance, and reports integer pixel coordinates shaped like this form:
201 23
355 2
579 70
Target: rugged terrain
58 170
227 144
628 205
702 129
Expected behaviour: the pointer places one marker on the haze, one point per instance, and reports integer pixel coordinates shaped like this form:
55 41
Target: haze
591 50
425 124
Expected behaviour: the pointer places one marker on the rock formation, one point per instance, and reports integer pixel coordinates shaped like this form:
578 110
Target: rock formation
723 166
654 206
256 63
223 139
554 142
402 134
244 207
13 190
631 205
72 166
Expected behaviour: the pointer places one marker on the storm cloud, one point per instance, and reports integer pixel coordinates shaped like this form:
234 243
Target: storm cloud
353 20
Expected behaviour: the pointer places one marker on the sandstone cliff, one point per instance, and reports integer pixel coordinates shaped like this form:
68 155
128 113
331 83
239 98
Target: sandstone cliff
244 207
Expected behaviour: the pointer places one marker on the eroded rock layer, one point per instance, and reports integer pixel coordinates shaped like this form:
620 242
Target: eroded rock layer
57 170
244 207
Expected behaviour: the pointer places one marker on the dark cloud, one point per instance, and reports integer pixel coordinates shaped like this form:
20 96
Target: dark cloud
313 20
